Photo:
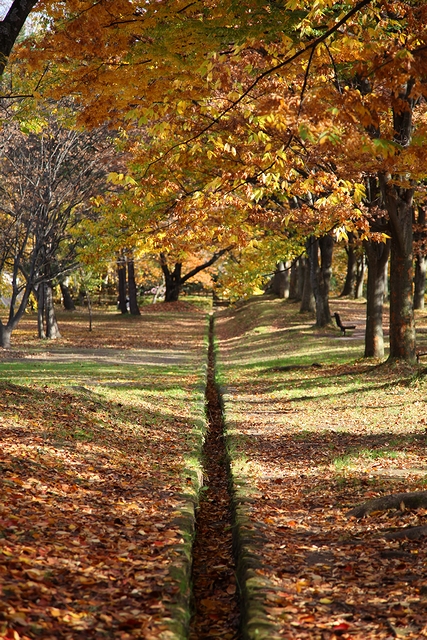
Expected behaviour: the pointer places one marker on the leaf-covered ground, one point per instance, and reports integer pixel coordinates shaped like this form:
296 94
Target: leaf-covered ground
101 438
100 443
307 444
215 591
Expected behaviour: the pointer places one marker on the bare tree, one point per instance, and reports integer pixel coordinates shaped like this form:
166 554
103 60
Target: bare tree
48 179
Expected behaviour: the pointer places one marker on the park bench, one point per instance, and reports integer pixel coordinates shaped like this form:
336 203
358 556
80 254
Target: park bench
420 354
342 326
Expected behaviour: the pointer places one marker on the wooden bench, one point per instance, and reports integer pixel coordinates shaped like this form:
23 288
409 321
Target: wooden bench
340 325
420 354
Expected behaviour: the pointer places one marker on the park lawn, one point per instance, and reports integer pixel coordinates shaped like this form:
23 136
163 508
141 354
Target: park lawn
101 436
307 443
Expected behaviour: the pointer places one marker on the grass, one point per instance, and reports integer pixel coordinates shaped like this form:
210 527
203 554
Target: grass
317 441
356 458
101 436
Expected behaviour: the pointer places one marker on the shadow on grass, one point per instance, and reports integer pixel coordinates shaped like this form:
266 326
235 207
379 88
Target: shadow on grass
91 492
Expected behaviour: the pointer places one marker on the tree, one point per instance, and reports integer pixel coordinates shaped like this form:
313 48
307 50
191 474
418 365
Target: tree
10 27
174 278
421 259
320 276
377 254
49 176
245 94
350 278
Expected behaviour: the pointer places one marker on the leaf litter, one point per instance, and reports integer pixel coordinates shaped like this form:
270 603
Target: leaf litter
94 479
215 588
309 444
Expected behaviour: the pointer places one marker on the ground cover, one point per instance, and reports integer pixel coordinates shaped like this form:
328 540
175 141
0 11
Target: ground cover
307 443
215 592
101 438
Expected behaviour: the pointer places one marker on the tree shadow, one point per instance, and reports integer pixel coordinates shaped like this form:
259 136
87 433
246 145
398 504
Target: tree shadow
92 490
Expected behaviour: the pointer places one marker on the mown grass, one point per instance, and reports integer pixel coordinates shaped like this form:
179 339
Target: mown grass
315 441
101 435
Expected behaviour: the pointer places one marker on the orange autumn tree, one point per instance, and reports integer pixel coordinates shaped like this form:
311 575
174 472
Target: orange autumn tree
159 217
320 96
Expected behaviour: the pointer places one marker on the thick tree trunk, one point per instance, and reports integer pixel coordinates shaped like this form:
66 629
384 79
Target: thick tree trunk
121 277
398 199
67 300
294 288
321 275
350 279
174 279
10 27
133 301
377 255
307 298
5 336
402 324
173 283
52 329
280 283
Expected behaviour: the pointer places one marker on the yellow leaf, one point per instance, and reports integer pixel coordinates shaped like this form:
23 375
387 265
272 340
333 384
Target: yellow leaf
34 574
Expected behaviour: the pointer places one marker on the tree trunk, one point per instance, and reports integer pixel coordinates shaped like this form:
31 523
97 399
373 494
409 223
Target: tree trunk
420 281
121 275
5 336
386 285
14 317
173 283
40 311
52 329
307 297
67 300
302 268
377 255
350 279
420 260
11 25
133 301
174 279
360 275
321 276
402 324
294 289
398 199
280 284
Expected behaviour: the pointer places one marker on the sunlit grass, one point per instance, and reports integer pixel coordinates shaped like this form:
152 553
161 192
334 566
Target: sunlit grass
102 432
356 458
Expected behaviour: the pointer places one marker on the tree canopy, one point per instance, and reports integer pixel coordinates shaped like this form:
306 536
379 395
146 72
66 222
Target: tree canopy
241 118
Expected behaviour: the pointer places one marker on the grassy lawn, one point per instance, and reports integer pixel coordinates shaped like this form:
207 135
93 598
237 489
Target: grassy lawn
307 443
101 437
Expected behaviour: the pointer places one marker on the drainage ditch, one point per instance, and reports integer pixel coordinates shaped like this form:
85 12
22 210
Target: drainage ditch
215 590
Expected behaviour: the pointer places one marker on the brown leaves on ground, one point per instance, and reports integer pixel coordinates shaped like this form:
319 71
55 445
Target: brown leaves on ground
311 443
93 457
214 577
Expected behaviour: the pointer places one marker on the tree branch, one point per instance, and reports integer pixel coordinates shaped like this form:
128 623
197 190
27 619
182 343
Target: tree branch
10 27
312 45
206 264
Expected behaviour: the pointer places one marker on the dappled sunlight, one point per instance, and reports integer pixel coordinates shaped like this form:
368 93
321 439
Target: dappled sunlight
307 444
99 465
